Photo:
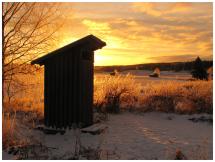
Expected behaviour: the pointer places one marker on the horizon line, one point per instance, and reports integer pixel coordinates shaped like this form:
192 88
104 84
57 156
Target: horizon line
150 63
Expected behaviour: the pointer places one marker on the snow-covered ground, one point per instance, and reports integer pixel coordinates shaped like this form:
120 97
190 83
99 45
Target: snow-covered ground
154 136
134 136
142 76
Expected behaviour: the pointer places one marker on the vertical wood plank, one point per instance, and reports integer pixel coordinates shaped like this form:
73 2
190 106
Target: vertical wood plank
75 88
66 91
80 89
61 95
57 115
52 94
46 116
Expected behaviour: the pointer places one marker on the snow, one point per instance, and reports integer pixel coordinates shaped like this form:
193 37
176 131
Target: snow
153 136
142 76
6 156
94 129
136 136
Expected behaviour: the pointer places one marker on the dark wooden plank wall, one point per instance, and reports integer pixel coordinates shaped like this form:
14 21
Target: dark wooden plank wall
87 91
68 91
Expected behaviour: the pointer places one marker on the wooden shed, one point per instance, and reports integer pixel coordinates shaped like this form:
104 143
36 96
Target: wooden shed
68 83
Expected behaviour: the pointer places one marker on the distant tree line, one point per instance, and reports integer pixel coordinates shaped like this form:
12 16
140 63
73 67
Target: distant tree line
174 66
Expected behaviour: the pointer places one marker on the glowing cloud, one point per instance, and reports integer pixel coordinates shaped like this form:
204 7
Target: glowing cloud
142 32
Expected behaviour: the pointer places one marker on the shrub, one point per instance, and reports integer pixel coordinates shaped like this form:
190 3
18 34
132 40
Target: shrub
113 92
198 70
200 93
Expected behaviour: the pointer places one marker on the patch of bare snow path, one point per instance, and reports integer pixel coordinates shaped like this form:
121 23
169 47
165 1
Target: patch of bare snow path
158 136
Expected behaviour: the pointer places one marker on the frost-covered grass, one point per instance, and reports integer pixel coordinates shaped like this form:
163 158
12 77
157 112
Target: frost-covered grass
180 97
113 92
123 92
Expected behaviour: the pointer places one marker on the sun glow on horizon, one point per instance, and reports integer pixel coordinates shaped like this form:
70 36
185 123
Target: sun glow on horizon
137 33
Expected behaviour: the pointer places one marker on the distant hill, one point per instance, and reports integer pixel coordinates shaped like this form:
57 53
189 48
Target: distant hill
173 66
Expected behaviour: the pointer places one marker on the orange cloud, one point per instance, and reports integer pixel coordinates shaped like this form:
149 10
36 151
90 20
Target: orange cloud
100 27
159 9
143 32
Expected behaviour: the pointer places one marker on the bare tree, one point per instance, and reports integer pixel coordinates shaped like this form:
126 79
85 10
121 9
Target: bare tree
27 31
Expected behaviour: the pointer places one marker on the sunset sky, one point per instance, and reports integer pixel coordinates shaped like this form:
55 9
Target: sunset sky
142 32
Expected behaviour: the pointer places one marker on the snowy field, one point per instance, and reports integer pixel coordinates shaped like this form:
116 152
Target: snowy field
132 136
142 76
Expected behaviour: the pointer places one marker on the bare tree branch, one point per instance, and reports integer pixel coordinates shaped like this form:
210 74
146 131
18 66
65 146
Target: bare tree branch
28 31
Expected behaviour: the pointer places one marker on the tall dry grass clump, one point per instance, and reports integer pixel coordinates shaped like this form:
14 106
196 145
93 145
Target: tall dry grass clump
200 93
113 92
158 97
28 98
8 130
181 97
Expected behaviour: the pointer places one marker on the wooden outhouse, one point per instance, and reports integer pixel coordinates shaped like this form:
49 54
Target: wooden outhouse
68 83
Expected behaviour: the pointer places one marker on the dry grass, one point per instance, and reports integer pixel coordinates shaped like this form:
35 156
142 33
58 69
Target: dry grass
27 98
26 106
113 92
181 97
169 96
8 130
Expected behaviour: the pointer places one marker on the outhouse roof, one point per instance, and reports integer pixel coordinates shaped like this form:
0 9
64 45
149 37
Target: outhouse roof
94 42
